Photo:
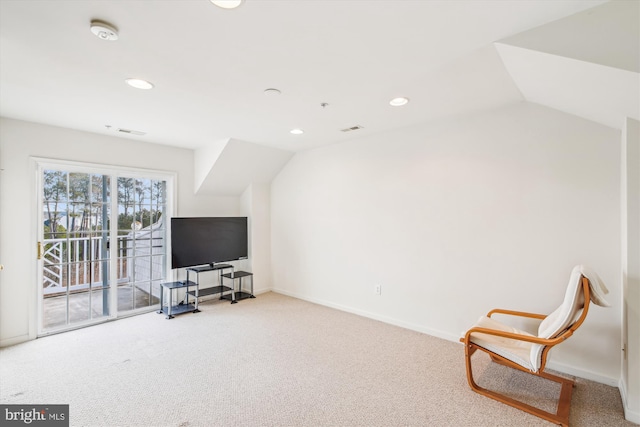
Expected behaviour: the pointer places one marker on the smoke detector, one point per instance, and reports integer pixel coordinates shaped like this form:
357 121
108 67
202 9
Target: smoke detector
104 31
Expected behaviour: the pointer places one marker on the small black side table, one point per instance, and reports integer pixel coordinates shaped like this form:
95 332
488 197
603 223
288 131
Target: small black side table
235 296
170 310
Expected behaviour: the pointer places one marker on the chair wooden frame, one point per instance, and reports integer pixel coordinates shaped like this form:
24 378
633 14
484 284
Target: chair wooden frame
561 416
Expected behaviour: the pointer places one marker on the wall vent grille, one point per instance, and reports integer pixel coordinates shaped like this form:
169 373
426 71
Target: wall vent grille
132 132
352 128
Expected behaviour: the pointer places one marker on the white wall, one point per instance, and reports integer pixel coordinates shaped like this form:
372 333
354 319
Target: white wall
255 204
630 380
18 141
455 219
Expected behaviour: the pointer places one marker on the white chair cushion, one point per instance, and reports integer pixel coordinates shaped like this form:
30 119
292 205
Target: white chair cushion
517 351
564 315
529 355
597 288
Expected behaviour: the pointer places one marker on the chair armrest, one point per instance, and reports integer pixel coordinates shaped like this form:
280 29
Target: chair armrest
516 313
519 337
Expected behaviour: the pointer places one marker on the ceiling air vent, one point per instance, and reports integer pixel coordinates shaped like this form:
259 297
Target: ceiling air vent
132 132
352 128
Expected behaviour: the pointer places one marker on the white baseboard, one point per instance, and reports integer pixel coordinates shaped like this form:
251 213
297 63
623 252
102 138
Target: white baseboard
629 415
390 320
15 340
613 382
583 373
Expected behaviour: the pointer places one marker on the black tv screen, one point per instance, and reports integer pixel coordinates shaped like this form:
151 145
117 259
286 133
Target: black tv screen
207 240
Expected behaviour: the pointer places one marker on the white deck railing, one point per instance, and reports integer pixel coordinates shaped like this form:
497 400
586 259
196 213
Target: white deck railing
84 266
77 263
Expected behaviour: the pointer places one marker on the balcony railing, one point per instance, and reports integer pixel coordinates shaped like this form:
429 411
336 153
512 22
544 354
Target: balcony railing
79 263
83 269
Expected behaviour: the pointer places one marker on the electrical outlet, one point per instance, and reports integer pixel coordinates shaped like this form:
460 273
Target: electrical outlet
378 290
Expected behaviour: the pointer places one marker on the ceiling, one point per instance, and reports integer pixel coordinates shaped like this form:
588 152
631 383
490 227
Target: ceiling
210 66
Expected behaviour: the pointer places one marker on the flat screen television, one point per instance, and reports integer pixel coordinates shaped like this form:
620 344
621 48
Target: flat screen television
208 240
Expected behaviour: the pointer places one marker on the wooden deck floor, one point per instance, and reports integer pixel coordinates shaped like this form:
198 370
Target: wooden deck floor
88 305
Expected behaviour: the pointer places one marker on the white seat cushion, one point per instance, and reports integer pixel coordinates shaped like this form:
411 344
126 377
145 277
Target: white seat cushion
517 351
596 286
527 354
562 317
566 314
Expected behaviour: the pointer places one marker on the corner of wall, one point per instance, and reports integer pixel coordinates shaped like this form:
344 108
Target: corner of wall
629 414
203 160
629 383
255 204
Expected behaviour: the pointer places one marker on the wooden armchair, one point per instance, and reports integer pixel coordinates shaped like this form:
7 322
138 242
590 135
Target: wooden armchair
527 352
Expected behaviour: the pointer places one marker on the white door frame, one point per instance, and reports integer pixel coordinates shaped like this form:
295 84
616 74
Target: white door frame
38 165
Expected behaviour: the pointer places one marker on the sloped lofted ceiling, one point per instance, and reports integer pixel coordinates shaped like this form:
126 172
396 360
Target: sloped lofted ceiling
587 64
228 167
210 68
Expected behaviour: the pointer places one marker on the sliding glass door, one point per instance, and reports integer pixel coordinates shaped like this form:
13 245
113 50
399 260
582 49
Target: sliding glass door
75 236
142 250
102 249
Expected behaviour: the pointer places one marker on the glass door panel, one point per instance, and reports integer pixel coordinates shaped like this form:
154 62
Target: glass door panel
75 280
141 242
102 244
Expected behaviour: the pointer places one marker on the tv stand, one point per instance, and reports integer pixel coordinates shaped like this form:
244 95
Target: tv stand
170 309
240 294
220 289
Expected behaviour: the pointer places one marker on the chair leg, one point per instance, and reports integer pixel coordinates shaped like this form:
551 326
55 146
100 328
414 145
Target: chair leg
561 416
566 390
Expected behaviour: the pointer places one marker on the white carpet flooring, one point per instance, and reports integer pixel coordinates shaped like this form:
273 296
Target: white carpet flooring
272 361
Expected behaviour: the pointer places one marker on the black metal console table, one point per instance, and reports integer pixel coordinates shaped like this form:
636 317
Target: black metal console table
235 296
170 310
220 289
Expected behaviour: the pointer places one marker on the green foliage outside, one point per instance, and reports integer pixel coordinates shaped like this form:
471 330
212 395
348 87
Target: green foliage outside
77 205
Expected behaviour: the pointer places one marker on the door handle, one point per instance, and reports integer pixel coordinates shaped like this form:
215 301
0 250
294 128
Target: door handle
40 250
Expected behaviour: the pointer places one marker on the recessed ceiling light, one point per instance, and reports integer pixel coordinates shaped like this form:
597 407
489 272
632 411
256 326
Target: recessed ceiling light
227 4
272 91
104 31
296 131
398 102
139 83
